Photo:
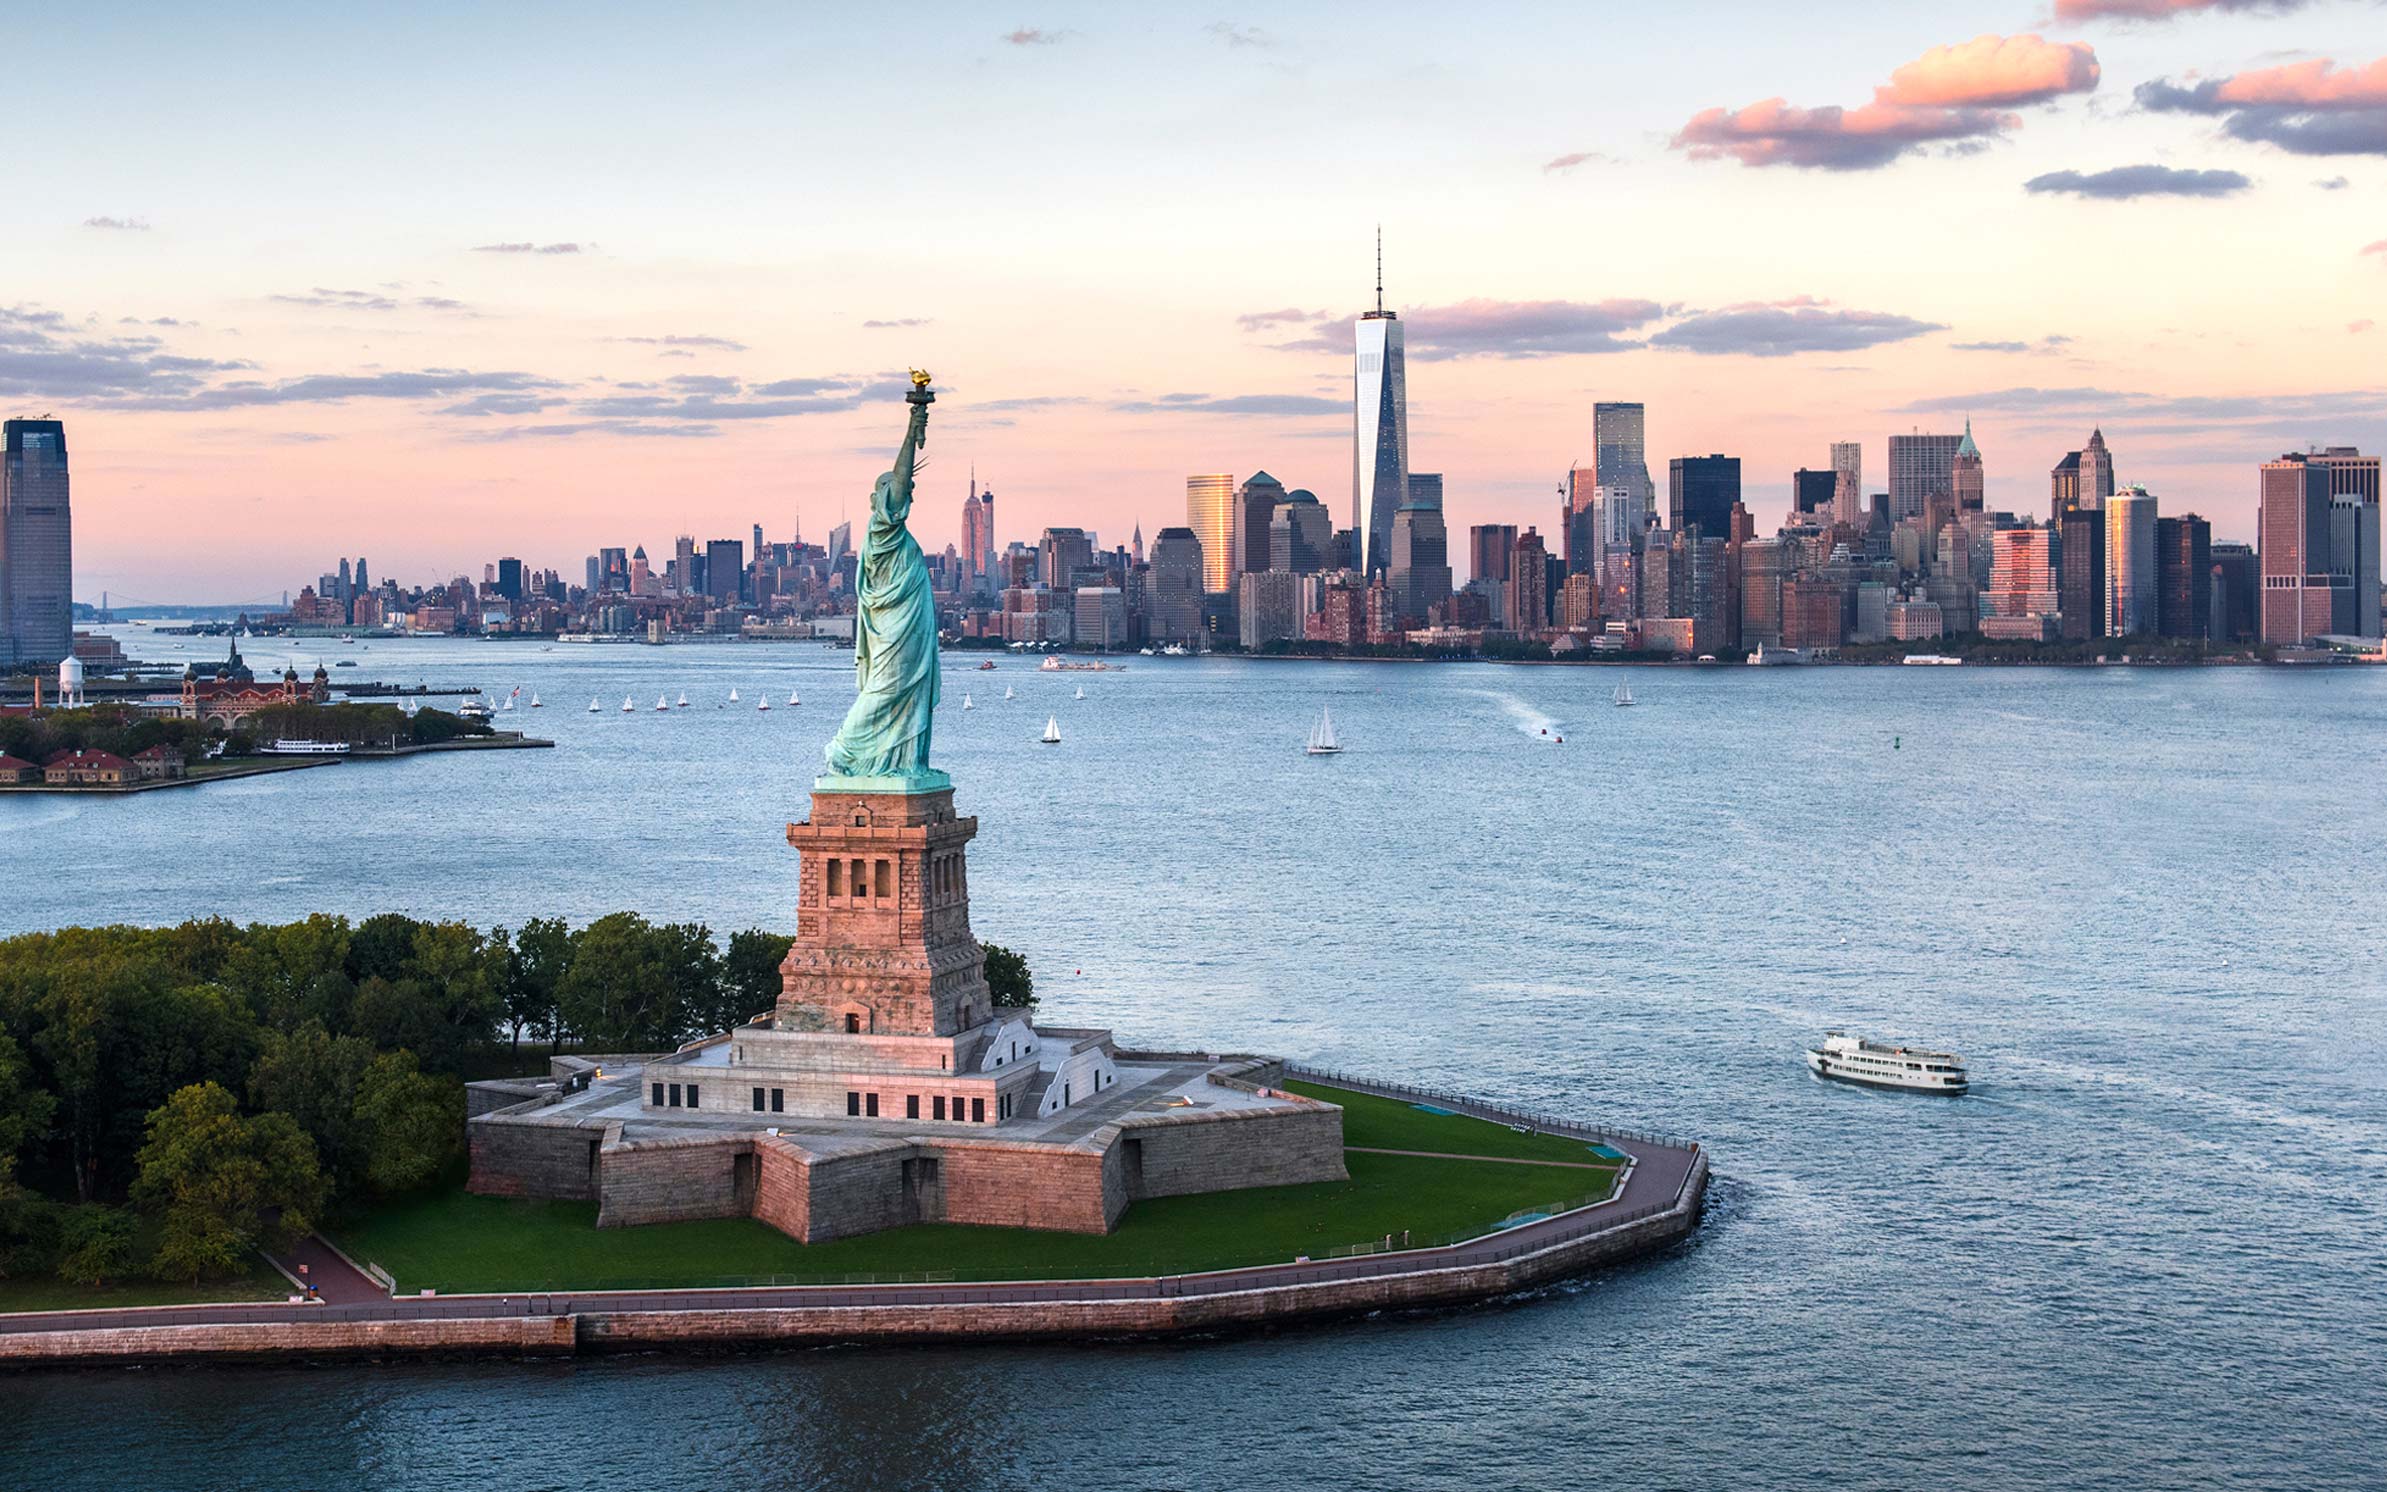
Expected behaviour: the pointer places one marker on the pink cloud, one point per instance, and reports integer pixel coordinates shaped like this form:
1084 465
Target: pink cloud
2359 327
2317 84
2376 248
1949 95
2157 10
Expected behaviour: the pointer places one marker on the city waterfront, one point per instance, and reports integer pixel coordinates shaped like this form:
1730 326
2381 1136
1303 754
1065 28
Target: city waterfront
2145 1251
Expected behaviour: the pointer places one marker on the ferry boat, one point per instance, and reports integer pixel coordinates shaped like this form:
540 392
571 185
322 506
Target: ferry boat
473 709
1775 658
1931 660
1075 665
1852 1059
289 746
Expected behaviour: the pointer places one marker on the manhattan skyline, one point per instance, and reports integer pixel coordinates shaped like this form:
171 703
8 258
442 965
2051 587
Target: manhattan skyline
530 318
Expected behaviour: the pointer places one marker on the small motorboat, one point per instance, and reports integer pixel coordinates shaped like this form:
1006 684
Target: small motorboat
1052 731
986 668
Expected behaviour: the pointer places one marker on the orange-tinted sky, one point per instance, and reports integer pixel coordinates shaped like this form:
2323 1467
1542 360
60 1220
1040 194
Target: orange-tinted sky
462 284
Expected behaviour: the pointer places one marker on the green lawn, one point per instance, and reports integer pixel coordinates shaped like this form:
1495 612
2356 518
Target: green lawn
1396 1124
454 1241
51 1294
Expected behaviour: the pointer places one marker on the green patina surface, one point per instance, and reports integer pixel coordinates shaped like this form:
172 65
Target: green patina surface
882 747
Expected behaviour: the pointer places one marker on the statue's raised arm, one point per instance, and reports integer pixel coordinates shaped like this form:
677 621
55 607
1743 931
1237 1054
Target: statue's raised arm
883 744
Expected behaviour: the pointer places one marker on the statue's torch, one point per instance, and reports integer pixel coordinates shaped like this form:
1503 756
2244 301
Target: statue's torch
920 397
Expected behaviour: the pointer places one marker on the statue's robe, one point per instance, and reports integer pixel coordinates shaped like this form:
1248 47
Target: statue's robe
895 637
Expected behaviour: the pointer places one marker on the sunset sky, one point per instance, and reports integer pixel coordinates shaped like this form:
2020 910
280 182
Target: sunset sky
456 281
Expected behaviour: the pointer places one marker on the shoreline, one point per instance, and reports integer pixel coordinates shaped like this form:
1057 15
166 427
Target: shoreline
265 766
1658 1212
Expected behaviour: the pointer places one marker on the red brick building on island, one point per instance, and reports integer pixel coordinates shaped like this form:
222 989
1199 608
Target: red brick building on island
232 693
88 769
15 770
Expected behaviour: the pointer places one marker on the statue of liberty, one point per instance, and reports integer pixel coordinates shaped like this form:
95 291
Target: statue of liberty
883 745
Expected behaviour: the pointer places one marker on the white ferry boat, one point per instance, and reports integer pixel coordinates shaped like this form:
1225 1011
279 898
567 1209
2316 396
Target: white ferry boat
1931 660
1876 1064
290 746
1073 665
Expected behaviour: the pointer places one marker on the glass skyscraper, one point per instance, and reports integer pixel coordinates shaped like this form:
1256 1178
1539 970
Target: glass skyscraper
1380 434
1620 456
36 545
1210 513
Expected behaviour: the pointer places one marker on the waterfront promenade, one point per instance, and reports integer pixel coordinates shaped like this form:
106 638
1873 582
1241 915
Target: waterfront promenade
1658 1204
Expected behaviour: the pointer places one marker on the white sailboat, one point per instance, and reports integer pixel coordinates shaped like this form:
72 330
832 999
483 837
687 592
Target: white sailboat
592 706
1322 741
762 704
509 704
683 699
965 703
627 706
1624 694
1081 691
534 699
1052 731
791 698
733 696
1006 691
662 703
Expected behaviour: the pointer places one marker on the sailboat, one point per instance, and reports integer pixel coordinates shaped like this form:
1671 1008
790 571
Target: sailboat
662 702
509 704
683 699
1624 694
592 706
733 696
791 698
1052 731
1322 741
627 706
1006 691
762 704
965 703
1081 691
534 699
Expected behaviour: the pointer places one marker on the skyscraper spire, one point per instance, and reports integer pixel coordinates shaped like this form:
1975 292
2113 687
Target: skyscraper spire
1379 269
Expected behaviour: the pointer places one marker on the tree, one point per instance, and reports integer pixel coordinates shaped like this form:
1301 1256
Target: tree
313 1076
222 1185
24 1108
410 1123
96 1245
542 951
750 980
615 995
691 967
1008 979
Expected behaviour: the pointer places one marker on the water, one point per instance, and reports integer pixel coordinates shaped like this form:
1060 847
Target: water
2146 1252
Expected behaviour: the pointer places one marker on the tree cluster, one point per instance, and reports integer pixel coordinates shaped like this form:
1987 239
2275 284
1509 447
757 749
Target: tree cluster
116 728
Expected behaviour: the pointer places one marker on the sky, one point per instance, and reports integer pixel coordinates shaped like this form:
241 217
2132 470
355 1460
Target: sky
448 282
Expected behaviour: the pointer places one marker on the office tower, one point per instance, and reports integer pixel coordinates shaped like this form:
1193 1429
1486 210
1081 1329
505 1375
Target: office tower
1814 494
978 535
1254 509
362 584
1379 428
347 581
1623 518
2096 471
1138 556
1619 448
683 563
1210 513
1300 534
1921 467
1174 586
1711 606
1582 521
2184 577
509 577
758 544
1420 574
1064 554
1700 492
2080 580
2130 570
1268 607
841 542
2063 488
2292 527
1529 583
640 580
2353 540
596 575
37 609
2022 575
1969 484
724 567
2237 582
1848 465
1489 551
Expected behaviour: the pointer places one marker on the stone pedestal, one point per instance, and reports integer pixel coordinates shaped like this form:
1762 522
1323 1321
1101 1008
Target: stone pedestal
883 944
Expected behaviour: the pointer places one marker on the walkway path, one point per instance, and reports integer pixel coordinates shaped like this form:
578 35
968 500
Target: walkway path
1498 1160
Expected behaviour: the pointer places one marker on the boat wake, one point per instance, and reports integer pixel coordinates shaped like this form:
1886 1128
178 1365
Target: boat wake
1528 720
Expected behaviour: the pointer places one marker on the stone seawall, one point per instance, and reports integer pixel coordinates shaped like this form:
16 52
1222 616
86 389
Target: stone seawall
1228 1302
1230 1149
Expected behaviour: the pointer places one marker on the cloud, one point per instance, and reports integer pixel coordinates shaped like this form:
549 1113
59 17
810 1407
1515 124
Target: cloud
2054 342
1957 96
2074 12
1568 162
2121 183
2305 108
489 404
526 248
1232 35
322 298
633 428
1257 320
2276 420
42 357
2359 327
1035 401
901 321
339 388
1481 328
1252 404
2333 184
719 344
2375 248
1780 330
1034 36
118 225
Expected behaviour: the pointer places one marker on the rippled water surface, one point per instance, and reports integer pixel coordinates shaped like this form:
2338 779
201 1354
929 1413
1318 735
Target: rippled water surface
2149 907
